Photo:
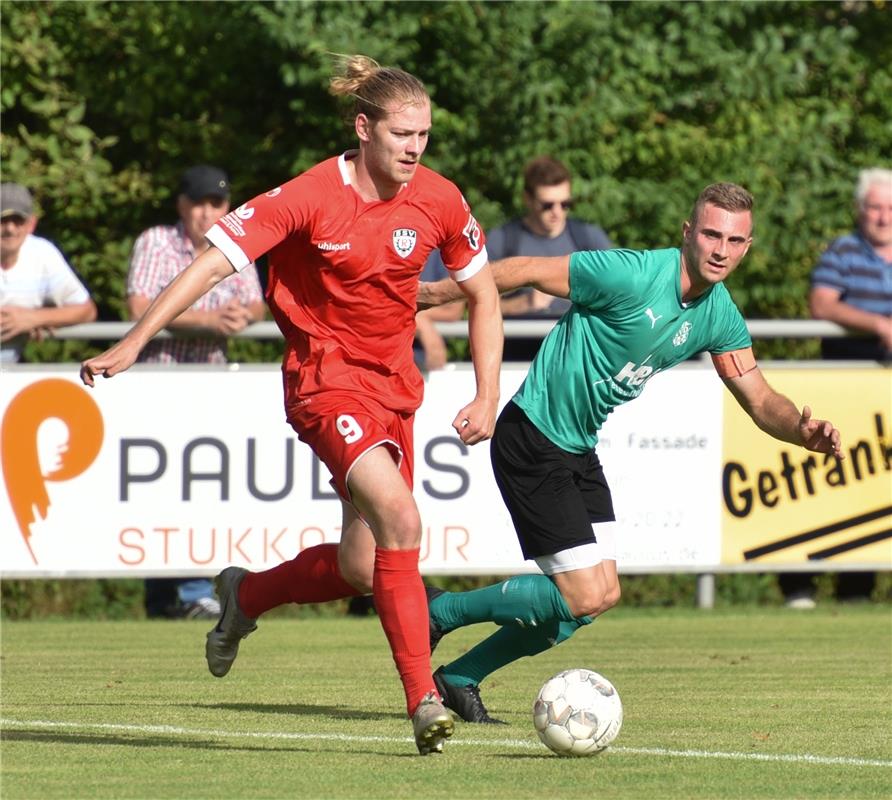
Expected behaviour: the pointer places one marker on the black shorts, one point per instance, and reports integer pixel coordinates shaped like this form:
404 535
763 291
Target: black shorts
553 496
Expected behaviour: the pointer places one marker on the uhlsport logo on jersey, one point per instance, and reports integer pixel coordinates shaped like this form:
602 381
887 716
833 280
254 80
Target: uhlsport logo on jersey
404 241
26 477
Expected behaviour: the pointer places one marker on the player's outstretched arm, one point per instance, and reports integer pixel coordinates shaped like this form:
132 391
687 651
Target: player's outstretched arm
477 420
549 275
437 293
199 277
777 416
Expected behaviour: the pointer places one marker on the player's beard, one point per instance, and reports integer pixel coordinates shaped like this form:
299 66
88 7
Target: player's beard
405 171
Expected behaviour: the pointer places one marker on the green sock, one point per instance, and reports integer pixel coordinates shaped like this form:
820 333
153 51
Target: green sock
508 644
524 600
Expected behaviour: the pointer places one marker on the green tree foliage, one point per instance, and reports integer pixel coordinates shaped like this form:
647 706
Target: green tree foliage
104 103
48 146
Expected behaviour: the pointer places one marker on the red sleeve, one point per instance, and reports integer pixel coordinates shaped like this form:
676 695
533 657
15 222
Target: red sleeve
255 227
463 250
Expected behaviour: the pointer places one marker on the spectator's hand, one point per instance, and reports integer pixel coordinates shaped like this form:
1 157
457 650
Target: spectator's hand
517 304
16 320
230 319
819 435
476 422
432 343
435 354
884 331
114 360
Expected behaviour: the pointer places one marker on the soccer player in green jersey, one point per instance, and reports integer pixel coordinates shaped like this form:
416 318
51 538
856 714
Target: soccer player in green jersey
634 314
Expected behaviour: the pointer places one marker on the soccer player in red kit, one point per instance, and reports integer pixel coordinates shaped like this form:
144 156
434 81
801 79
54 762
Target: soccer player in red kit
346 242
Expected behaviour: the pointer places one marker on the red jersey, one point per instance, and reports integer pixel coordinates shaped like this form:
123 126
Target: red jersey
343 273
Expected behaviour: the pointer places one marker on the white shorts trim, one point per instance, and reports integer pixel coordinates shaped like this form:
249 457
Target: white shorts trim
584 555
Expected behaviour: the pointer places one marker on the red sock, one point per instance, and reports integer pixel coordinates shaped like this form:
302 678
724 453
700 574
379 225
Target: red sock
401 603
312 577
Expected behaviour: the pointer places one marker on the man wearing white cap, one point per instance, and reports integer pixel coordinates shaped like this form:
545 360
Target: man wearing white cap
39 291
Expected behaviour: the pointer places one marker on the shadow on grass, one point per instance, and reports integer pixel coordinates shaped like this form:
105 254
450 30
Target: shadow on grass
300 709
525 756
100 739
56 737
286 709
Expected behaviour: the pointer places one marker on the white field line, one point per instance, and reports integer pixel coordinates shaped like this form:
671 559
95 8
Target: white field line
520 744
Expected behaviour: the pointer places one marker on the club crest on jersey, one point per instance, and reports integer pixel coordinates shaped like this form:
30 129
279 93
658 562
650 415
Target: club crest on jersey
404 241
682 334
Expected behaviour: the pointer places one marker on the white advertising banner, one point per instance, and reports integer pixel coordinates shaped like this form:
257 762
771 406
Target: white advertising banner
185 471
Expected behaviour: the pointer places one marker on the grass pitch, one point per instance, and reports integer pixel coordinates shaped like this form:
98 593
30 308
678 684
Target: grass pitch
723 704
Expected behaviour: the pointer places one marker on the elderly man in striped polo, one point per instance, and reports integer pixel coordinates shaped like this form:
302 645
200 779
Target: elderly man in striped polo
852 286
852 283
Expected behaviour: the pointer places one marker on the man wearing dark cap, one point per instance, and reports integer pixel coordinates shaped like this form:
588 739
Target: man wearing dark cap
159 255
39 291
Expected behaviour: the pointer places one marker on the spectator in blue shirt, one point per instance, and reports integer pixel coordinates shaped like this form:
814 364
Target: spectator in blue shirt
852 283
852 286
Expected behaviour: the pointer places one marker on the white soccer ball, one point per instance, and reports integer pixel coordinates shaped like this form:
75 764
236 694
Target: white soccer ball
577 713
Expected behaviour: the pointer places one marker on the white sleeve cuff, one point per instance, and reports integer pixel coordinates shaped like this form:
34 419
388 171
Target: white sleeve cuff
234 254
477 263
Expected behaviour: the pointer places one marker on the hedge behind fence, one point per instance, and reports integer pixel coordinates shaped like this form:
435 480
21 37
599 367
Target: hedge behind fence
104 104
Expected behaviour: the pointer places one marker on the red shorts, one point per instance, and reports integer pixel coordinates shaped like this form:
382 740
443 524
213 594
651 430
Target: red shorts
341 428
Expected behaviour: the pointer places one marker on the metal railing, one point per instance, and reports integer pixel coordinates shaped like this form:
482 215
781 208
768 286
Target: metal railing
514 328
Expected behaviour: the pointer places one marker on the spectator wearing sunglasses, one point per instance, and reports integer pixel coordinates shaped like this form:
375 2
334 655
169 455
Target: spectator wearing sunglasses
546 229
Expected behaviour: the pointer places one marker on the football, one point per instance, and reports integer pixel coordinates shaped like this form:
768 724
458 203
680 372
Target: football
577 713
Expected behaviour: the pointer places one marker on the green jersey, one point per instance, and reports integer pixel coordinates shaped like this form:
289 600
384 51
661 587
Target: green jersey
626 324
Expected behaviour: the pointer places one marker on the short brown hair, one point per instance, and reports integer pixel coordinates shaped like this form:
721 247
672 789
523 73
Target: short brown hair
374 87
728 196
544 171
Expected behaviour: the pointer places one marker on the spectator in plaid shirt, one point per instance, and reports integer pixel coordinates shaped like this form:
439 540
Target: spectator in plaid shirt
159 255
162 252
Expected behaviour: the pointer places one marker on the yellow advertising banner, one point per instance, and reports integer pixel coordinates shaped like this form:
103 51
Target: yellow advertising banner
784 506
